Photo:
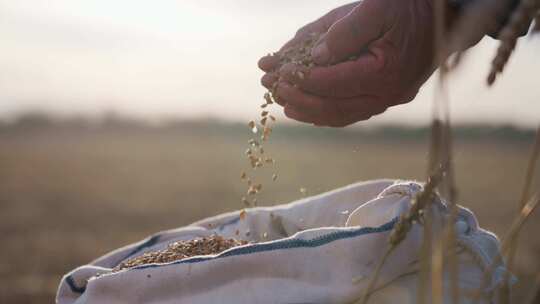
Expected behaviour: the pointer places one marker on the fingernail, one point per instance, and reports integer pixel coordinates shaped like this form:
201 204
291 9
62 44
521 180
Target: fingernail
320 53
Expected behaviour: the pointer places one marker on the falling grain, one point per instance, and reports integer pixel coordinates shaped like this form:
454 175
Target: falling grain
243 215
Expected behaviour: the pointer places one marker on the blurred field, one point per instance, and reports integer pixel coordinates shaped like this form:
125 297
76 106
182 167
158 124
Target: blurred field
69 194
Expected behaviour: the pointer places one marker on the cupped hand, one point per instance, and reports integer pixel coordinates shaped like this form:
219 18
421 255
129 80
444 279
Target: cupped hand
374 54
271 62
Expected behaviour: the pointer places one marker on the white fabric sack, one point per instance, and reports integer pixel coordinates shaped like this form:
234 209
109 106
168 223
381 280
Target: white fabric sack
321 249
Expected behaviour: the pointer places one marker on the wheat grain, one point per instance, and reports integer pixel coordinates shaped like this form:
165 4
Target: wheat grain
519 21
181 250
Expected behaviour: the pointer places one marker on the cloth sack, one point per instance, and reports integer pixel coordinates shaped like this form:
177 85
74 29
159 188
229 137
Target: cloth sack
321 249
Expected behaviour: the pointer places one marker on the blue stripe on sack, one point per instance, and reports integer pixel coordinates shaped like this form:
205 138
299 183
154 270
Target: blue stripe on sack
285 244
150 242
73 286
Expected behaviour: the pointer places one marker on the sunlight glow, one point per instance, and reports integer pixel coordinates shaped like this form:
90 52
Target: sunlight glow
195 58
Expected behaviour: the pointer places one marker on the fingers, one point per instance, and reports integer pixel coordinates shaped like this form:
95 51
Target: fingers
347 79
269 63
306 102
298 115
321 25
352 33
327 111
272 62
268 80
325 106
317 120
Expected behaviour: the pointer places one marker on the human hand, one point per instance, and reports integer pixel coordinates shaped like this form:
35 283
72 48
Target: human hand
272 62
392 41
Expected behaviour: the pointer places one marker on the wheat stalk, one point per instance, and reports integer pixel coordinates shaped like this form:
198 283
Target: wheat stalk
419 204
536 27
432 255
524 196
425 258
519 21
441 146
514 230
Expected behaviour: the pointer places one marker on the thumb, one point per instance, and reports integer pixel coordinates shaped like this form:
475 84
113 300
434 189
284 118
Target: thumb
351 34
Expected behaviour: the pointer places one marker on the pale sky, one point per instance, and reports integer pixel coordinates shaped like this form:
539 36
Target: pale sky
190 58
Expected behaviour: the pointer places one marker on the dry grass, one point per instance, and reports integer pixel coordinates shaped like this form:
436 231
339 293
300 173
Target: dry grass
518 24
70 196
